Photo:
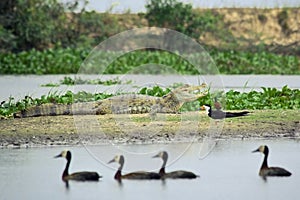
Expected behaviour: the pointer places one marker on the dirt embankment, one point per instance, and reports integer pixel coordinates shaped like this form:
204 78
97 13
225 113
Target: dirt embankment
248 26
261 26
192 126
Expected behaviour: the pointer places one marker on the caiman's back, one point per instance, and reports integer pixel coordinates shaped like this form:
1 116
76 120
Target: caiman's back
127 104
122 104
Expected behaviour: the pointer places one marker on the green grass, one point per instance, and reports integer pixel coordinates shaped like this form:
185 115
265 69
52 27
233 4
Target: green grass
268 98
79 81
50 85
68 61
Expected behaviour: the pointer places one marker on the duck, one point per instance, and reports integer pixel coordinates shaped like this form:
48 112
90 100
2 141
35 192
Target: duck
139 175
265 170
77 176
219 114
179 174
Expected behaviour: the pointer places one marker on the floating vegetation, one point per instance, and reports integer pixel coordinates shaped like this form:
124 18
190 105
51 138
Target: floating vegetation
79 81
68 61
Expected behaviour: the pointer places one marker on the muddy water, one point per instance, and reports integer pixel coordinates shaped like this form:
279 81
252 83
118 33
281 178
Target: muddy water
230 171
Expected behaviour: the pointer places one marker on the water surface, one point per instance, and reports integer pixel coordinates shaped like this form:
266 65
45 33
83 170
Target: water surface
229 172
20 86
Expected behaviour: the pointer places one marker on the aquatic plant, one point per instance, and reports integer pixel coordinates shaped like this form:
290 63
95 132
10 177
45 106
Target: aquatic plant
67 80
68 61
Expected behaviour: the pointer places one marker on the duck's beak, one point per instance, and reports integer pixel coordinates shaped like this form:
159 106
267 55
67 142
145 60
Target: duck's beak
256 150
58 156
156 156
111 161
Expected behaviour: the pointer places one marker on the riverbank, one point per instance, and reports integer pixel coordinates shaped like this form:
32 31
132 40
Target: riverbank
140 128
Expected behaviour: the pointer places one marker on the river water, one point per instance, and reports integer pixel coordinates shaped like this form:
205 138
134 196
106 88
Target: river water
20 86
230 171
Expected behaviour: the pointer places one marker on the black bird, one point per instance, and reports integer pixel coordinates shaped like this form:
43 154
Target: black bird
265 170
219 114
179 174
140 175
78 176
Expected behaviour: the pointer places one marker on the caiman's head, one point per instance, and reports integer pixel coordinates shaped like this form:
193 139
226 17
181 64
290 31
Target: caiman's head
188 93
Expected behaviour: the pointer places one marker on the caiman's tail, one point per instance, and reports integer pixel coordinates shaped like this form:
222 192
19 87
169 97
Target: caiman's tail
57 109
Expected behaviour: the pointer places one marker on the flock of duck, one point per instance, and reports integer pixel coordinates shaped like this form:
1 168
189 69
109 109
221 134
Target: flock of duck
217 114
264 171
139 175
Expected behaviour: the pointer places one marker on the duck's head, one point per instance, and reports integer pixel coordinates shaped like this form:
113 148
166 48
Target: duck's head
263 149
163 155
118 159
64 154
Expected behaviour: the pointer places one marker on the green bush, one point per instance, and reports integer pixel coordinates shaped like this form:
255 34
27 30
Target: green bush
43 24
33 23
179 16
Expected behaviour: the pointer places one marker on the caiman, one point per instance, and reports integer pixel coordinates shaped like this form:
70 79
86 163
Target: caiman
122 104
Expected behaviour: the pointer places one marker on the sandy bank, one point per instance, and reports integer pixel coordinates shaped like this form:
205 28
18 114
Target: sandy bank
191 126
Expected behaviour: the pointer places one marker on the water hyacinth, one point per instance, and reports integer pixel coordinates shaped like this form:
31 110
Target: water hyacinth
69 60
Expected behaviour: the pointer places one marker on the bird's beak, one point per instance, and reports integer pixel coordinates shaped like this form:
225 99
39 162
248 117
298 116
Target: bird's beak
256 150
156 156
202 108
111 161
58 156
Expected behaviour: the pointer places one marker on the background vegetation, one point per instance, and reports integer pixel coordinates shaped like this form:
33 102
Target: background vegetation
49 37
68 60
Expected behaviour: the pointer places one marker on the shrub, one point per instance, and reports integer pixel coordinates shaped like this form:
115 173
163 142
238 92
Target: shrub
179 16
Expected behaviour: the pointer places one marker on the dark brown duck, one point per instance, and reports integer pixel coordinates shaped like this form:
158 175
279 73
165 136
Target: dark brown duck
179 174
265 170
139 175
77 176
